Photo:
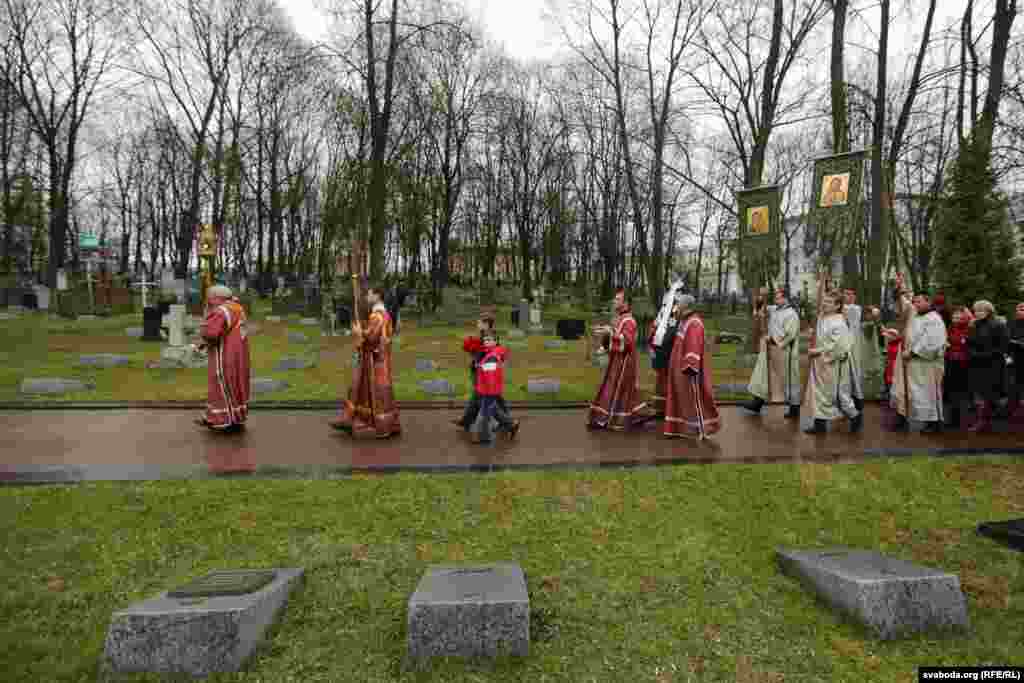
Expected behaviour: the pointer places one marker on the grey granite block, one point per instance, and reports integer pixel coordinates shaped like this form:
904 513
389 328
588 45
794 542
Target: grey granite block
273 318
197 637
309 321
425 365
88 317
438 386
294 364
891 597
103 360
516 333
554 344
54 385
266 385
297 338
134 331
542 386
469 611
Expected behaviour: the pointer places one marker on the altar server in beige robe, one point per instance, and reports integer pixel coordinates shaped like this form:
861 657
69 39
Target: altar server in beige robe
921 365
776 376
830 393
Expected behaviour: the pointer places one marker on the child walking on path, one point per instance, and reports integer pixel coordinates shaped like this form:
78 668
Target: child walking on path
490 385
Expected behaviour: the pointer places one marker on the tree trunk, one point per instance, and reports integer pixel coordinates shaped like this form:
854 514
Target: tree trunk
879 192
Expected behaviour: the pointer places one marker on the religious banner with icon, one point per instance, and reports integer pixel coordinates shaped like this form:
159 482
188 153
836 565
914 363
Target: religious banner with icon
836 212
759 247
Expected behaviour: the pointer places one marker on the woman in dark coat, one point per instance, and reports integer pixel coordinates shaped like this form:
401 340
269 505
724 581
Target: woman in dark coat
1016 333
986 352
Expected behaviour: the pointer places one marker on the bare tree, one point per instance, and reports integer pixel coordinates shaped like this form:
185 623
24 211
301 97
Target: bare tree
64 49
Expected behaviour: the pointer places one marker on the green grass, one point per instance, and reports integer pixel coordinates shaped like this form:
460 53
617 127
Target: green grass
632 574
38 346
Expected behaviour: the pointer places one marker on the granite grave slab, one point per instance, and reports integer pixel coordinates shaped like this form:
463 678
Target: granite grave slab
214 627
309 321
469 611
553 344
273 318
516 333
294 364
103 360
891 597
135 332
438 386
543 386
425 365
54 385
267 385
297 338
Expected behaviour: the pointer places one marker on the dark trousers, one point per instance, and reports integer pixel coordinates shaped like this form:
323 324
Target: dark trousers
493 407
472 410
957 392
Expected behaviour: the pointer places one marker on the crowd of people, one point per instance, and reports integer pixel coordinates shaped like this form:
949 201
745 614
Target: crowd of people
939 360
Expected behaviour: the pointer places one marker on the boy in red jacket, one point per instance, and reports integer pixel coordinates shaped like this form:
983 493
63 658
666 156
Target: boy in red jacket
474 346
490 385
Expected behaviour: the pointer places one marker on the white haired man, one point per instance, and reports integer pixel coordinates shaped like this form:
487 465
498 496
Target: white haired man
776 376
227 375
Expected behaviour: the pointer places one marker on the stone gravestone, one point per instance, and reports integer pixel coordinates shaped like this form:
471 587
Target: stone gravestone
103 360
297 338
42 297
438 387
309 321
134 332
516 333
542 386
266 385
552 344
425 365
210 626
294 364
891 597
524 315
273 318
54 385
471 611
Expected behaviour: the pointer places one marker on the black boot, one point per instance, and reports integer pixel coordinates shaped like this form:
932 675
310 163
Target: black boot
901 424
933 427
754 405
856 423
818 428
793 412
858 404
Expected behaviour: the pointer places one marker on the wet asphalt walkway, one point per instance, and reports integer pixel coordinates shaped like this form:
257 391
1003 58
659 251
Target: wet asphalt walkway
39 446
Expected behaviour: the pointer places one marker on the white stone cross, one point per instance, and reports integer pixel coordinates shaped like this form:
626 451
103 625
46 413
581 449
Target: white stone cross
142 286
176 325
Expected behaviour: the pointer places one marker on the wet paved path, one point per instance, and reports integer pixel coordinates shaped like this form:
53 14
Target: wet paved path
48 445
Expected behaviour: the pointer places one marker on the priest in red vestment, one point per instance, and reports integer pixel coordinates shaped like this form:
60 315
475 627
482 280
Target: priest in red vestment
370 409
617 405
690 408
227 371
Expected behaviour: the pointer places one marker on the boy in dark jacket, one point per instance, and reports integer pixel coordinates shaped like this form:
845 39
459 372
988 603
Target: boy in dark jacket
490 385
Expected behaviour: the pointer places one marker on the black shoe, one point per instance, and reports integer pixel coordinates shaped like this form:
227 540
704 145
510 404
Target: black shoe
902 424
818 428
858 403
933 428
754 405
793 412
856 423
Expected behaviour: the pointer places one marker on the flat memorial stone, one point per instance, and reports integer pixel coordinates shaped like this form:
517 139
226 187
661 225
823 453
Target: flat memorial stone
554 344
136 332
891 597
266 385
214 626
309 321
87 317
469 611
54 385
438 386
425 365
516 333
103 360
1010 532
297 338
273 318
294 364
542 386
8 316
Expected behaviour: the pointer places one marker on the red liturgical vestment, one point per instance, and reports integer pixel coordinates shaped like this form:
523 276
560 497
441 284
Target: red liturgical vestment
690 408
227 373
370 409
618 404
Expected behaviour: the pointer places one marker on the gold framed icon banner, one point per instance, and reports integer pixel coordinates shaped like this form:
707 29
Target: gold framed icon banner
759 252
837 205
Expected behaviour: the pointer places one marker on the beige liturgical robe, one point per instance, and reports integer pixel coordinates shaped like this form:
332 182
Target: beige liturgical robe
830 372
853 314
776 377
925 370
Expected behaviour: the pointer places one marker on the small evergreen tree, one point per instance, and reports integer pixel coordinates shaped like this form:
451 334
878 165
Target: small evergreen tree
975 242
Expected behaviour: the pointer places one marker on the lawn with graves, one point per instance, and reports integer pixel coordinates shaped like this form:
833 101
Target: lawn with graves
664 574
38 345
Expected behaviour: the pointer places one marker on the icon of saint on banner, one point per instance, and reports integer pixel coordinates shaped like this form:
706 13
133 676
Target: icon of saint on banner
757 220
834 189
